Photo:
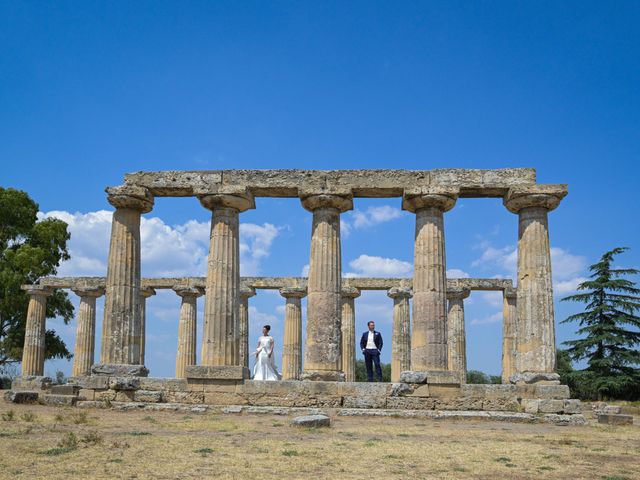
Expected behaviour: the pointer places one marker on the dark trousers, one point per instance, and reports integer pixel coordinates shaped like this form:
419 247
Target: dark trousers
372 356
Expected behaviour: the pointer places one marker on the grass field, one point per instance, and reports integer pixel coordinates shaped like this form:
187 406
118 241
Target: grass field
62 443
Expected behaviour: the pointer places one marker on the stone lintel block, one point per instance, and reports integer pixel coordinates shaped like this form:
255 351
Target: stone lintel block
56 400
124 383
65 389
147 396
615 419
544 378
93 382
119 370
163 384
217 372
311 421
551 406
411 376
559 392
31 383
20 397
420 391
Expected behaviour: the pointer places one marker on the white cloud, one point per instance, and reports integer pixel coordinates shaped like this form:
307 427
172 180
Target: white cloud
255 245
504 259
305 271
567 286
372 266
492 298
566 265
457 273
374 216
491 319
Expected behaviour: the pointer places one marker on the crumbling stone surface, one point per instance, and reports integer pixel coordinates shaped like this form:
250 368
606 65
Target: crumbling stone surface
615 419
312 421
118 370
20 397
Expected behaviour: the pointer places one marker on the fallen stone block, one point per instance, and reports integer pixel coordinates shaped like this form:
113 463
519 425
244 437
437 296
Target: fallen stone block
400 389
564 420
21 397
31 383
410 376
615 419
312 421
58 400
612 409
65 389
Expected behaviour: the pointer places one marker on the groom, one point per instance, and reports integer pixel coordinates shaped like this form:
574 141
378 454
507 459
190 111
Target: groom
371 345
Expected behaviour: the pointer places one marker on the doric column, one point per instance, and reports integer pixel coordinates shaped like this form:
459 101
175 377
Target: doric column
292 343
220 340
186 328
33 351
349 294
536 346
322 357
401 339
245 294
457 340
122 323
145 292
429 333
509 337
84 351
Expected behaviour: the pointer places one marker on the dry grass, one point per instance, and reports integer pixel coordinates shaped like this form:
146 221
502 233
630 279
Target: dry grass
108 444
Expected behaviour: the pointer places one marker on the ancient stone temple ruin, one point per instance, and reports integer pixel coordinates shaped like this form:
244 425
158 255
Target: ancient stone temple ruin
428 342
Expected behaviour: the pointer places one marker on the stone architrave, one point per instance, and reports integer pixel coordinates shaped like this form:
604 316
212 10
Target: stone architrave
292 343
536 346
186 354
122 323
349 294
401 338
457 342
33 351
509 335
429 332
84 351
220 340
243 338
323 342
145 292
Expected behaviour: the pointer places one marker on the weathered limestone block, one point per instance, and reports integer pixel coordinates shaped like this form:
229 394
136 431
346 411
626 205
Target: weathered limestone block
413 377
151 396
124 383
615 419
530 405
120 370
490 391
162 384
224 398
458 403
564 420
64 389
501 404
401 389
124 395
57 400
560 392
551 406
92 382
184 397
411 403
572 406
20 397
105 395
86 394
311 421
545 378
420 391
444 391
31 382
364 402
216 372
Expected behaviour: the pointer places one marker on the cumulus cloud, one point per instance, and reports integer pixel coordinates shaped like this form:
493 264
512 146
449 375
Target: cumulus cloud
457 273
488 320
373 266
372 216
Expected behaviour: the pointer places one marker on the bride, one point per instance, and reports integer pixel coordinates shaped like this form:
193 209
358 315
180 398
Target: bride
265 368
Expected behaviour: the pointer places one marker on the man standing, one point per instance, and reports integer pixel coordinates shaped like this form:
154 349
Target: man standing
371 345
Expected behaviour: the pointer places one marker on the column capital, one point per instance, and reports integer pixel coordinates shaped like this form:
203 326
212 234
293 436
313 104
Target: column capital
130 196
457 293
37 290
293 292
247 292
240 201
441 198
510 293
341 202
146 292
187 291
88 291
350 292
544 196
399 292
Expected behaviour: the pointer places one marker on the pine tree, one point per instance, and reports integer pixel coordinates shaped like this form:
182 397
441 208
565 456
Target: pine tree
611 331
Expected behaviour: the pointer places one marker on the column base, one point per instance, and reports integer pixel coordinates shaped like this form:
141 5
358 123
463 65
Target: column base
527 378
322 376
119 370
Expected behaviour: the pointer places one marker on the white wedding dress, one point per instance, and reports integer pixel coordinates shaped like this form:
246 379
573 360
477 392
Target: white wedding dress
265 368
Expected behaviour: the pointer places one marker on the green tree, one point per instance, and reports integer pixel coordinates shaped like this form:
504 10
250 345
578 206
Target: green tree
361 371
611 332
29 249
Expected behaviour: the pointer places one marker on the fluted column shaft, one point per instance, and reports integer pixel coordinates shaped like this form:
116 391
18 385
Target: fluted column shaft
122 322
457 340
349 333
145 292
186 354
84 351
322 358
536 343
509 335
221 340
401 337
429 333
33 351
292 342
245 294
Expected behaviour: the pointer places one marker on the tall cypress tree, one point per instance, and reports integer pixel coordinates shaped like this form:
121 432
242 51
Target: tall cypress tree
611 331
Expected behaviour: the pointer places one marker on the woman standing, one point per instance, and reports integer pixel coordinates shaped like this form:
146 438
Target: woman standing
265 368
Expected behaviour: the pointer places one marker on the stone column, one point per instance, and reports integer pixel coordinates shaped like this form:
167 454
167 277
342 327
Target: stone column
292 343
457 340
509 337
33 350
84 351
186 328
245 294
536 343
145 292
220 340
349 294
429 333
401 339
122 323
322 357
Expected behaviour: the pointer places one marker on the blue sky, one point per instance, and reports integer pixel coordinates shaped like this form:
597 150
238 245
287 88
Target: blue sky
90 91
